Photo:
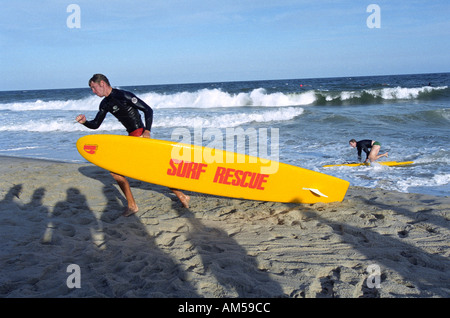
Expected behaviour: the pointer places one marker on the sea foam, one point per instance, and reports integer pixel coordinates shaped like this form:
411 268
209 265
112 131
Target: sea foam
217 98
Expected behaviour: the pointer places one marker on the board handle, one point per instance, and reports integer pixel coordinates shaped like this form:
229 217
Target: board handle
316 192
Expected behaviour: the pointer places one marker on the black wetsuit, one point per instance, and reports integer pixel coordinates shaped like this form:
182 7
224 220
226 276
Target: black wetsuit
365 145
124 106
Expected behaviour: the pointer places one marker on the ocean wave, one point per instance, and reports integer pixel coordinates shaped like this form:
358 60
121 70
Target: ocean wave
435 117
203 98
20 148
85 104
60 125
230 120
259 97
369 96
193 120
216 98
434 181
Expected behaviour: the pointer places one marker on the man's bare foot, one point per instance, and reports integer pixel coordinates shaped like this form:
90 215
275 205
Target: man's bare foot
130 211
185 200
182 197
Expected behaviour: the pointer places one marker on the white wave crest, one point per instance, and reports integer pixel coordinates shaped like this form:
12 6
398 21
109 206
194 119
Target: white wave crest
402 92
213 98
60 125
204 98
194 120
216 98
436 180
89 103
230 120
388 93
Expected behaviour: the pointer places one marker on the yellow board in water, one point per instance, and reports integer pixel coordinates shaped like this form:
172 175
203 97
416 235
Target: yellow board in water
207 170
383 163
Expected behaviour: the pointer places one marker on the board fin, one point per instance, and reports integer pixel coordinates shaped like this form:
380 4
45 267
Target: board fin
316 192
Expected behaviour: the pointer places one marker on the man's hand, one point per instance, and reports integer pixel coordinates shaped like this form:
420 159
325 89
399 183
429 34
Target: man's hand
146 134
81 119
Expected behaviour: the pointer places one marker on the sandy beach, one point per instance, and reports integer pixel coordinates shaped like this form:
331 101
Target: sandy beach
373 244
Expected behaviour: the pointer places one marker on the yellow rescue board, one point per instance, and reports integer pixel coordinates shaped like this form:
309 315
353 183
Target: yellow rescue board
383 163
207 170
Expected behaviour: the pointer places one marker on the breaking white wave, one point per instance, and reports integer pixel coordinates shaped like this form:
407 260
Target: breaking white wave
387 93
230 120
192 120
434 181
217 98
214 98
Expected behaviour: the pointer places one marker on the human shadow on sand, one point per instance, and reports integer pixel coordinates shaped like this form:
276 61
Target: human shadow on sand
135 258
225 259
116 257
221 255
429 272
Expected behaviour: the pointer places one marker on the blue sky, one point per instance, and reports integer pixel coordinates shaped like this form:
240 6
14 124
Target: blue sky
169 42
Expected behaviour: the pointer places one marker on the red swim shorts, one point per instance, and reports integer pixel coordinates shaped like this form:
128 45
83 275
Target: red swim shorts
137 132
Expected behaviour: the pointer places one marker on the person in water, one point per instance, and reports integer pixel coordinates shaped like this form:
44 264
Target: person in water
365 145
125 106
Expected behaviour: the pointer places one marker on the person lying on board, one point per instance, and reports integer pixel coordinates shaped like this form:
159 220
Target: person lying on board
125 106
365 145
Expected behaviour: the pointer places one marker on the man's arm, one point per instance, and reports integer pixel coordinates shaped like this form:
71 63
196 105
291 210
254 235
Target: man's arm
367 151
363 145
359 151
143 107
97 121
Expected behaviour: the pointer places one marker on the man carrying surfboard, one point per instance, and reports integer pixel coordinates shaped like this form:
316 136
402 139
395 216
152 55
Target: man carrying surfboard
365 145
125 106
